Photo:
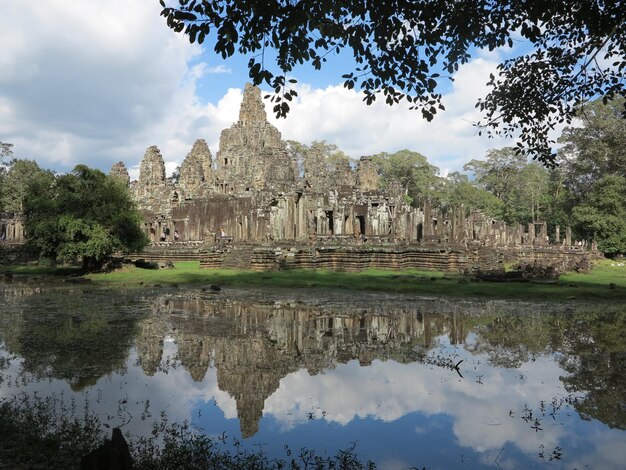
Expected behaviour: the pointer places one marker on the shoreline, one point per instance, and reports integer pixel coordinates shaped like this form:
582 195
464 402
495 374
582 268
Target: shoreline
606 283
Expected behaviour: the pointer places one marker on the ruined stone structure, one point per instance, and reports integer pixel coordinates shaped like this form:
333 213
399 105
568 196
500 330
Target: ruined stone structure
251 208
11 228
253 193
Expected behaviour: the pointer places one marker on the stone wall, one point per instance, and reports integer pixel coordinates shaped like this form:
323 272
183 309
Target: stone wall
16 254
450 258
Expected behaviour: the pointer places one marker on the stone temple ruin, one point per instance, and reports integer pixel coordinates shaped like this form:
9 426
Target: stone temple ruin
251 207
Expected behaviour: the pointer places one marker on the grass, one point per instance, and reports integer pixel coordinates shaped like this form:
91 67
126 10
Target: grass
593 286
37 269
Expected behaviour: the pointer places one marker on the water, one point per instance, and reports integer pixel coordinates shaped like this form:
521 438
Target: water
407 381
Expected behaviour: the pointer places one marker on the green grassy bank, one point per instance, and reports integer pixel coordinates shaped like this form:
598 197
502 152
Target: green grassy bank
594 286
605 283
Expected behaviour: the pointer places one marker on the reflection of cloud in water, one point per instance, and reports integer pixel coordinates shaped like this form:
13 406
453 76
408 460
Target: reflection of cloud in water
609 452
389 390
120 398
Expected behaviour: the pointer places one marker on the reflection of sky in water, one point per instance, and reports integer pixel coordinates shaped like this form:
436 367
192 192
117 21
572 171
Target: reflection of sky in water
400 415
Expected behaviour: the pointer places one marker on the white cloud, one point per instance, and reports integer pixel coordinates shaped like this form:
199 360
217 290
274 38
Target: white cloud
339 116
89 81
95 83
219 69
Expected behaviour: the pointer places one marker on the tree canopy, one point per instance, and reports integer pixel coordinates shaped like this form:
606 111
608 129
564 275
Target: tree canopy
596 148
6 151
82 216
6 158
458 189
406 49
412 171
14 187
603 216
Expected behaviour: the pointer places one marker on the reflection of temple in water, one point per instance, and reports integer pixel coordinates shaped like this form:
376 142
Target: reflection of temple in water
254 346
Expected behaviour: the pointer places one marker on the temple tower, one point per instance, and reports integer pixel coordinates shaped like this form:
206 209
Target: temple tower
251 154
119 171
367 175
151 190
196 173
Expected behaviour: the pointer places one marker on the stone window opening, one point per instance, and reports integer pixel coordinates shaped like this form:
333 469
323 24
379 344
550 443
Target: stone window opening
361 220
331 222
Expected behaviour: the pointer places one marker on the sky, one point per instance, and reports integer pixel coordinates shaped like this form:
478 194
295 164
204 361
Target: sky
97 82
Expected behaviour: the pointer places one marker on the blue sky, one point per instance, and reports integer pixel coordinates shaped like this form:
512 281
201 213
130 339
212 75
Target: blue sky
99 82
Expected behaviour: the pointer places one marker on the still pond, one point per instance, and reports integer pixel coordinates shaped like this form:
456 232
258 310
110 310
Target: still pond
407 381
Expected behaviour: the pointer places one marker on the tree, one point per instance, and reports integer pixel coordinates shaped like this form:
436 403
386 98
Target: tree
83 216
6 159
596 148
14 188
459 190
603 217
6 151
560 200
405 49
522 187
530 197
322 165
497 171
412 171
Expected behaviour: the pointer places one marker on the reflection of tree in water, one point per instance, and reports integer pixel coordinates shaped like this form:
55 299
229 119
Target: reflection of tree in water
77 335
597 365
511 340
591 347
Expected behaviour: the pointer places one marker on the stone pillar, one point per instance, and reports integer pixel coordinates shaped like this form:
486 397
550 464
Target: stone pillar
19 231
349 228
453 228
557 234
544 234
458 225
568 236
461 225
440 226
428 221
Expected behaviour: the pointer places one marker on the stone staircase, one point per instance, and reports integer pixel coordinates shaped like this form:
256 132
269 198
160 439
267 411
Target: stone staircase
238 257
